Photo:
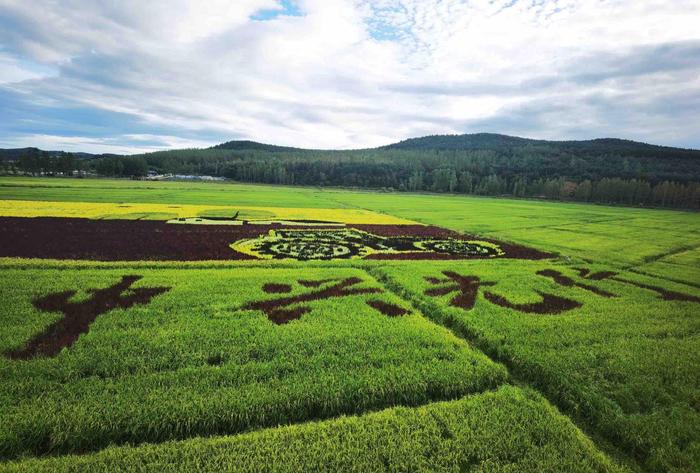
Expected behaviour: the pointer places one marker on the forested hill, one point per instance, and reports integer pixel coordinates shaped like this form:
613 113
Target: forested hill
253 145
496 142
500 143
14 154
602 170
483 141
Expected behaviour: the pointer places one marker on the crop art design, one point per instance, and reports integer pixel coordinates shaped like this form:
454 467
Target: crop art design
284 309
465 290
77 316
467 287
229 239
664 294
346 243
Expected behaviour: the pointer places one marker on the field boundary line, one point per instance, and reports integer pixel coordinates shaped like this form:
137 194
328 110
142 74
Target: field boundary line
665 278
434 313
310 419
213 436
639 268
671 252
556 225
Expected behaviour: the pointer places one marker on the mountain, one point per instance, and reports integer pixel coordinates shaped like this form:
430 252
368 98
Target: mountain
476 141
606 170
241 145
467 142
497 142
13 154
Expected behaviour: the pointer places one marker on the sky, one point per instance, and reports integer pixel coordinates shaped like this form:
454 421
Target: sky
131 76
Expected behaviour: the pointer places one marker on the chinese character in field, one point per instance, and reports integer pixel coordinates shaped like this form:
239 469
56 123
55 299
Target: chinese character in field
566 281
466 289
664 294
77 316
287 308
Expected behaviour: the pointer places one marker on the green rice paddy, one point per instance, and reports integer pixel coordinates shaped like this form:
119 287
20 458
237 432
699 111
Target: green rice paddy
587 361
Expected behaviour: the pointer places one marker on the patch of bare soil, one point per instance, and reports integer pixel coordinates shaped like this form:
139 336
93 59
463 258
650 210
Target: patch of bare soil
430 231
121 240
315 283
274 288
599 276
466 289
550 303
664 293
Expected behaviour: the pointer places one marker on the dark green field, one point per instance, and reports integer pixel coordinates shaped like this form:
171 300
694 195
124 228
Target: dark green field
588 360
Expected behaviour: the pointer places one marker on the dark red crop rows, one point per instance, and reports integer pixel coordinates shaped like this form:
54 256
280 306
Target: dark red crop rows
120 240
134 240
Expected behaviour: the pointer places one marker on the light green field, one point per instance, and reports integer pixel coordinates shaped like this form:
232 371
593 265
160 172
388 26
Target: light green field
504 431
197 380
196 361
626 366
627 237
195 193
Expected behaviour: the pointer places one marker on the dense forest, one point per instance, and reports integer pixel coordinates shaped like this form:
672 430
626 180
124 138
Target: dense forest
604 170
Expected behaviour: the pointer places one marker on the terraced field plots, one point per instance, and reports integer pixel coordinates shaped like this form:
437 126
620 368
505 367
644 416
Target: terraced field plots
504 361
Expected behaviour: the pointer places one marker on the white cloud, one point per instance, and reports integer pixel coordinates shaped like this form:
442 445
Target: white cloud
364 73
115 144
15 70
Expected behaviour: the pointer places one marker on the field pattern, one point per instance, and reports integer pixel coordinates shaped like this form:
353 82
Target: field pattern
136 211
613 349
130 240
202 358
534 337
507 430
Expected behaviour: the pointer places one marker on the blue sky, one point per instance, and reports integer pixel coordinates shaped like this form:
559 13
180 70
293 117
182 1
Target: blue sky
132 76
284 8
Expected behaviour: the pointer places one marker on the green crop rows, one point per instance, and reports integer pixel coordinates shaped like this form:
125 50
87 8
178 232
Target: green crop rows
588 361
508 430
196 362
627 366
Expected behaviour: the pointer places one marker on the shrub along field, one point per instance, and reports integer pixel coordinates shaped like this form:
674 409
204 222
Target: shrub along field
587 360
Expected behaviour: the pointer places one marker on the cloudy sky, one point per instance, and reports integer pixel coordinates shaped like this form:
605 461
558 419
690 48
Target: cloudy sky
134 75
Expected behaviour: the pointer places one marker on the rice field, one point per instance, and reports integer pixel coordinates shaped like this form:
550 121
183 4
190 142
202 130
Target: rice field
580 354
146 211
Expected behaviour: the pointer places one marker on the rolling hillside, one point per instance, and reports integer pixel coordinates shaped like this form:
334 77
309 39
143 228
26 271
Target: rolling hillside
606 170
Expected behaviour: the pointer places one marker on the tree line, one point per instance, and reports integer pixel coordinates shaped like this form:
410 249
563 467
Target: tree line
36 162
532 170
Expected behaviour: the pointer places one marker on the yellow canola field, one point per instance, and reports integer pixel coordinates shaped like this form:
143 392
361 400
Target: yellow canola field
33 208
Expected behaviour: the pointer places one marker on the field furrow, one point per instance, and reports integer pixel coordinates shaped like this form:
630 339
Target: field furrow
511 429
225 327
615 351
206 352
